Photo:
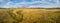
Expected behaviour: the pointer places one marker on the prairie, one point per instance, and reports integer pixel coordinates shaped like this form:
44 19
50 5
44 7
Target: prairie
29 15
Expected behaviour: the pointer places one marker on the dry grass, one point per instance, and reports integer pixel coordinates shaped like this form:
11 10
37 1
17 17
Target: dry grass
32 16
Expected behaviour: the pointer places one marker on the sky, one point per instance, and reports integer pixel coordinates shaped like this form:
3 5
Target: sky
29 3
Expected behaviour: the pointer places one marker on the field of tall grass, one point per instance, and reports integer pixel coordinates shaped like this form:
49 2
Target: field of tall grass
29 16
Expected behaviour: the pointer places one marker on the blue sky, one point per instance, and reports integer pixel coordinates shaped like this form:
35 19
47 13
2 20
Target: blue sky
29 3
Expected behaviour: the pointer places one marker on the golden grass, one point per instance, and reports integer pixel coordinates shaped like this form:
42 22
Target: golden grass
32 16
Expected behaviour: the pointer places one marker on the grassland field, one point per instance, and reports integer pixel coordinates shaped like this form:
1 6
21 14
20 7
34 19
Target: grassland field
24 15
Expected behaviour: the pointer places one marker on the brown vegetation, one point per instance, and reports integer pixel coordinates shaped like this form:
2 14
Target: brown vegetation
29 16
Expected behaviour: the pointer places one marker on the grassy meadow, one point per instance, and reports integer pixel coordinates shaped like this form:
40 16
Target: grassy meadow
23 15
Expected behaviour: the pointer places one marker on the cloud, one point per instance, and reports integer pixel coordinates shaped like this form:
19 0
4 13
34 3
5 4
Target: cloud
1 0
4 0
10 4
22 4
